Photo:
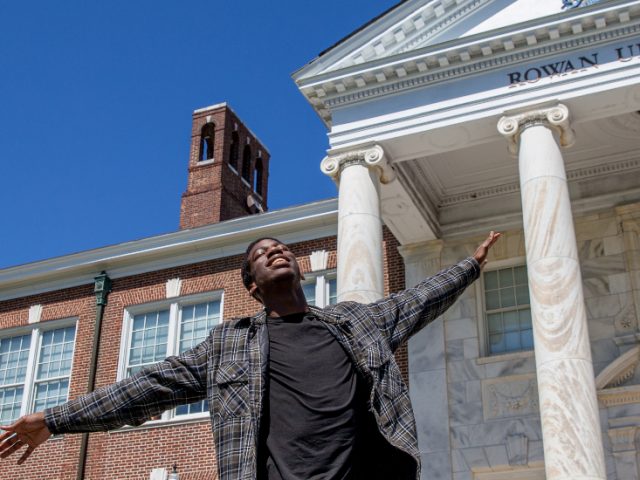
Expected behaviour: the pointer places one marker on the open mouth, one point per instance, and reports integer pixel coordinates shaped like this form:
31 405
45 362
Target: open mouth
279 261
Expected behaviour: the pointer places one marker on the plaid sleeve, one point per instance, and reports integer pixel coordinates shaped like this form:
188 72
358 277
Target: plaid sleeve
172 382
402 314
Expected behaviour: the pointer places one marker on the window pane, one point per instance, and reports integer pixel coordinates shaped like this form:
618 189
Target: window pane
49 394
56 346
522 295
310 292
491 280
495 322
520 275
10 401
512 340
14 354
507 297
496 343
198 407
526 339
525 319
511 321
148 341
333 291
197 322
505 277
492 300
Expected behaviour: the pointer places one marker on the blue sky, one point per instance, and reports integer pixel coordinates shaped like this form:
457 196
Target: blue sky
96 101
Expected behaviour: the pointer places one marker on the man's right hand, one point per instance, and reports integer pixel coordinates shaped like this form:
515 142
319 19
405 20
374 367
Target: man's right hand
30 431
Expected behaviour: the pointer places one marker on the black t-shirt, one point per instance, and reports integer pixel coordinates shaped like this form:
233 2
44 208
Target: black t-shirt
315 411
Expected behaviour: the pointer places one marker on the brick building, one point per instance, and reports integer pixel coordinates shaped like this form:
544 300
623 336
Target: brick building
166 293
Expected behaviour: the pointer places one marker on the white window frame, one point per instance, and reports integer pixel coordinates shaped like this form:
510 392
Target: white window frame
174 305
321 280
36 331
483 333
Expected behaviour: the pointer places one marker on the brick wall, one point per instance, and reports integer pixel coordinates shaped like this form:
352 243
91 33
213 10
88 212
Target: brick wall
132 454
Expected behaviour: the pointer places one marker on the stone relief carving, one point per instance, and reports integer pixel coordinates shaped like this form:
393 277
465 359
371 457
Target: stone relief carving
508 397
517 449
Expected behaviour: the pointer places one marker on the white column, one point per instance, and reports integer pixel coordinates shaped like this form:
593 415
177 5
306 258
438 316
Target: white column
568 404
359 174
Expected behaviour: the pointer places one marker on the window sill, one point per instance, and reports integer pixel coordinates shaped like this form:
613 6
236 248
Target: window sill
202 163
504 357
153 424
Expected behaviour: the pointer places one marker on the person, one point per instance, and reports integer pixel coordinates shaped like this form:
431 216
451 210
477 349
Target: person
295 392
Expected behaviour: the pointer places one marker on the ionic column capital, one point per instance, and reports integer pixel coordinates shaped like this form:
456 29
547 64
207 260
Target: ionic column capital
556 117
372 157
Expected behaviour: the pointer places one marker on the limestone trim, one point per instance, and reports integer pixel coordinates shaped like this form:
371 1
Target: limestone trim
555 117
534 471
372 157
35 314
505 357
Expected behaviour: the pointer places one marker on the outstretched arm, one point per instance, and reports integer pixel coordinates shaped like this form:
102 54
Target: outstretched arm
132 401
402 314
30 430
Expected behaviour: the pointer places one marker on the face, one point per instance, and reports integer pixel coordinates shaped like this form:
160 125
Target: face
272 262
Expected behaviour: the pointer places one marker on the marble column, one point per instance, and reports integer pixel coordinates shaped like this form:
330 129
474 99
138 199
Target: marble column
568 404
359 174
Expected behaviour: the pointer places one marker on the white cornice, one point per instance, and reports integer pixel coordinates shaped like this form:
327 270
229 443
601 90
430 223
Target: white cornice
294 224
571 30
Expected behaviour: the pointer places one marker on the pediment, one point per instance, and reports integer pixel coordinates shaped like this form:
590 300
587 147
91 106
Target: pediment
417 24
421 43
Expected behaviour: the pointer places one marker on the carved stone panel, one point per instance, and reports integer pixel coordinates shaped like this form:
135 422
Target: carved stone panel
512 396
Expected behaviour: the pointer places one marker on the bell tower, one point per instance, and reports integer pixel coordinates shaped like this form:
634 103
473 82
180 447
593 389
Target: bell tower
228 169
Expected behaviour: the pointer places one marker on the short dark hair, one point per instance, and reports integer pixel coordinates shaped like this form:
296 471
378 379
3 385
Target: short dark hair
247 278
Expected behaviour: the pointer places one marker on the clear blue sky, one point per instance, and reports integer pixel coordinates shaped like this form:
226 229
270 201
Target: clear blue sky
96 101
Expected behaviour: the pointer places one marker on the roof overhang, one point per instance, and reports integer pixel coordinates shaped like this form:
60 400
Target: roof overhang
294 224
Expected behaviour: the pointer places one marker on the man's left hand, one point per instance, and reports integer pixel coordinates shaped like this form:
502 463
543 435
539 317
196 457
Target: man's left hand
481 252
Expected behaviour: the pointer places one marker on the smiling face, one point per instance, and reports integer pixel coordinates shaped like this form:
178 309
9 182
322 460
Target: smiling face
272 265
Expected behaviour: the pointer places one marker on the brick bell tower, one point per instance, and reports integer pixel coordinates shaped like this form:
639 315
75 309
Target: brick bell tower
228 169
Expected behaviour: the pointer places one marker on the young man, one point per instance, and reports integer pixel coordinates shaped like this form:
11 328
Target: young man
296 392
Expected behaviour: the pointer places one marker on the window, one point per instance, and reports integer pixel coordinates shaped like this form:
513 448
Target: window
257 186
35 369
246 163
207 136
155 332
507 310
321 290
233 151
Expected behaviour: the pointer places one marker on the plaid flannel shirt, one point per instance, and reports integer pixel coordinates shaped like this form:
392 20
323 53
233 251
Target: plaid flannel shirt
229 370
